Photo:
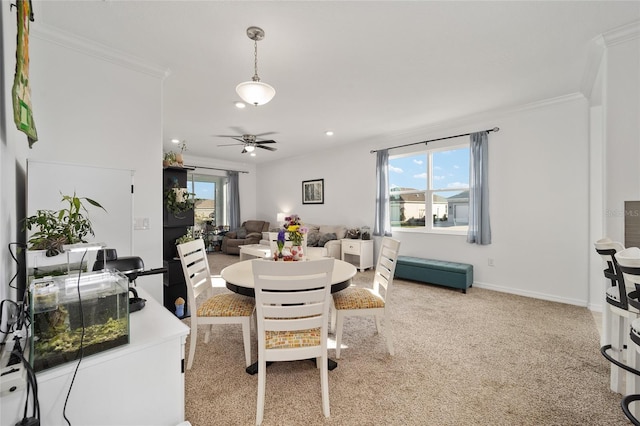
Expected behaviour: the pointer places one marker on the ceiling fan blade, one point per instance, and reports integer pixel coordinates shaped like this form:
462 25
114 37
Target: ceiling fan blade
269 141
244 150
231 144
266 147
264 134
225 136
239 139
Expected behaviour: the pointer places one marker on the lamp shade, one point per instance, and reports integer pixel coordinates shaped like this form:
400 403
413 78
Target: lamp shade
255 92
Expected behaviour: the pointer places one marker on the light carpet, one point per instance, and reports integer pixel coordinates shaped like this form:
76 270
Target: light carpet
481 358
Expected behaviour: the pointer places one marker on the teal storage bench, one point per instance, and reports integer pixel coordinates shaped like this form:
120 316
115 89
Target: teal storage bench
441 272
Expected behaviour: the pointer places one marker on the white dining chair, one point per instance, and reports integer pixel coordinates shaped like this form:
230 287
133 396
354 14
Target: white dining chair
359 301
222 308
292 310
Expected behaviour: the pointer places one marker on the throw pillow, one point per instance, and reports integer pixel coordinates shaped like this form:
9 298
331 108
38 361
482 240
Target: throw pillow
326 237
241 233
312 239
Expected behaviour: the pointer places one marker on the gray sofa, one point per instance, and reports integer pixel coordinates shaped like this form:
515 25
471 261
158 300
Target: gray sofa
249 233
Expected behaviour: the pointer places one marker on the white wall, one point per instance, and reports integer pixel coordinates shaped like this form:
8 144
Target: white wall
538 159
622 132
93 107
576 156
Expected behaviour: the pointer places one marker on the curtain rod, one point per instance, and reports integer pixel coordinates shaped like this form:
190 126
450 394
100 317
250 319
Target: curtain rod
495 129
215 168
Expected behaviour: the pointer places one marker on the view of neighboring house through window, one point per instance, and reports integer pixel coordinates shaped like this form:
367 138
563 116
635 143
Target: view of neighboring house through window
210 204
429 189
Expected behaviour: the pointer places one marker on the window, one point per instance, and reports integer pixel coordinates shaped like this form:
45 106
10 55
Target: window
210 205
434 184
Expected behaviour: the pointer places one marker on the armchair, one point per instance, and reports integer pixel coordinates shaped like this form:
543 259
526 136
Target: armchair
249 233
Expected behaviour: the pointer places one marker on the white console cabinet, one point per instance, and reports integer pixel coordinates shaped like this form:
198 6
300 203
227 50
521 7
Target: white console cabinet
358 252
141 383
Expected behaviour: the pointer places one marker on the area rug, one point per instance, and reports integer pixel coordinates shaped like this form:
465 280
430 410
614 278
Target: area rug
481 358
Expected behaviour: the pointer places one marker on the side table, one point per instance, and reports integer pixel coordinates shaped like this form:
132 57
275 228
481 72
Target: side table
358 252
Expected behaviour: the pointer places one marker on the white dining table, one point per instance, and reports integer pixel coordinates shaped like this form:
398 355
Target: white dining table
239 276
239 279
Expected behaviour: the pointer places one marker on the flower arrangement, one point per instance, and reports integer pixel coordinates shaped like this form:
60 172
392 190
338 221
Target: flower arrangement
280 242
293 226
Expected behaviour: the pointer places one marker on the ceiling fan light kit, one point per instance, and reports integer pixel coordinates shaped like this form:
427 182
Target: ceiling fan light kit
255 92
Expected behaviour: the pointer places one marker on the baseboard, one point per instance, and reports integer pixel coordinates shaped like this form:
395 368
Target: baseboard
532 294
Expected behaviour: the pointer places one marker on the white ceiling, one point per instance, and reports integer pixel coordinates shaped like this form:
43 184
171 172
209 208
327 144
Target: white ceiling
361 69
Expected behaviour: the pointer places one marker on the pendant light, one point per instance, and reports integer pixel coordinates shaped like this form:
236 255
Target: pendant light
255 92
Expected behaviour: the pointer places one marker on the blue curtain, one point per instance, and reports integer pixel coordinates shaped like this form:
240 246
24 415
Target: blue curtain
479 226
234 200
382 225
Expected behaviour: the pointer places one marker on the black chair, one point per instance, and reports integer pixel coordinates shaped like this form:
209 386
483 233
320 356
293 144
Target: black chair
628 261
617 316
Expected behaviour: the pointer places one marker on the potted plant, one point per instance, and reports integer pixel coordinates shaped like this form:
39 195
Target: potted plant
188 236
178 200
169 159
54 229
178 156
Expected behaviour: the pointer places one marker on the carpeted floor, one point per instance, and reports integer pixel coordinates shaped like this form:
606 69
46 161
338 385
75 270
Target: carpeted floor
484 358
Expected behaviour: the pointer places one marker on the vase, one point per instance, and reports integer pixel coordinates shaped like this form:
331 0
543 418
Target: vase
297 253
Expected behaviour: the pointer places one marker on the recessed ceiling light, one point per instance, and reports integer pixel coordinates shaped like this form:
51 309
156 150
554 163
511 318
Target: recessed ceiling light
329 133
175 140
240 105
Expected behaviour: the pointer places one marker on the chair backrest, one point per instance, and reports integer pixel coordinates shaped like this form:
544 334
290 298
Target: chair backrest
386 266
292 296
195 268
616 289
628 261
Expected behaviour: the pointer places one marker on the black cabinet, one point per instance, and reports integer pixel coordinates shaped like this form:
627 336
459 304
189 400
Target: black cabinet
174 226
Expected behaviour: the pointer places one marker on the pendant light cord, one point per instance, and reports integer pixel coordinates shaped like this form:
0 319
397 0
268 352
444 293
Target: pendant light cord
255 61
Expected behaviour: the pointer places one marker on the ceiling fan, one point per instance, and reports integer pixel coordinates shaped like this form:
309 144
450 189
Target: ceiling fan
251 142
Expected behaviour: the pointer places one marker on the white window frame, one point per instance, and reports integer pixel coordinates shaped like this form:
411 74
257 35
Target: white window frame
430 191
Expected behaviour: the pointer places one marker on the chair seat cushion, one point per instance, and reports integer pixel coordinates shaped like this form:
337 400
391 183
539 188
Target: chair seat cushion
292 339
357 298
227 305
613 294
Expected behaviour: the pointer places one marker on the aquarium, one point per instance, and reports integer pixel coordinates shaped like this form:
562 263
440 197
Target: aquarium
69 313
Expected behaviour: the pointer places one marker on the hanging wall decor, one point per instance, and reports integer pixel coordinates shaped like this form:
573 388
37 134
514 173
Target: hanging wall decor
21 92
313 191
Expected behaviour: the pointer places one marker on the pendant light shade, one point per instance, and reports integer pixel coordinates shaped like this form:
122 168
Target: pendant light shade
255 92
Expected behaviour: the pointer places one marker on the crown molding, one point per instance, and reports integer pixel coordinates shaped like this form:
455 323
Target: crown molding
622 34
597 48
97 50
591 70
473 120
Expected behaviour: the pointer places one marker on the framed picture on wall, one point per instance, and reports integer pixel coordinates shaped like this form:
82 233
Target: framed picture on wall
313 191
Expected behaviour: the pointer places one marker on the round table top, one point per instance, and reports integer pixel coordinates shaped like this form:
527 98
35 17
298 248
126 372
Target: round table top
239 276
